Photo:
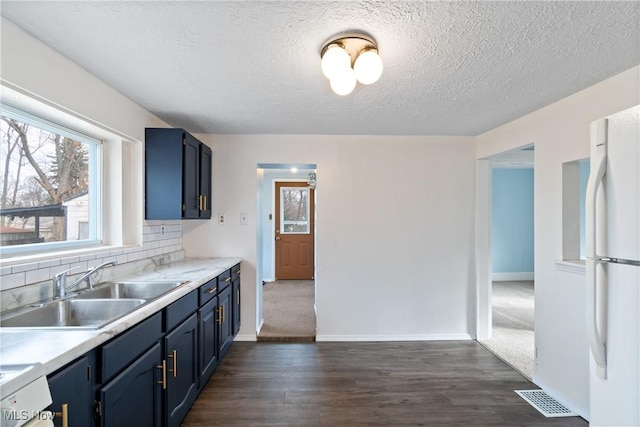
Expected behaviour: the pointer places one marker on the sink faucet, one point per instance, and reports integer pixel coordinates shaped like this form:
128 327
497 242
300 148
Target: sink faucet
60 287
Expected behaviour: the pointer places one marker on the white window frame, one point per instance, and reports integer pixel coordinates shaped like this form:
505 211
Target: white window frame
96 182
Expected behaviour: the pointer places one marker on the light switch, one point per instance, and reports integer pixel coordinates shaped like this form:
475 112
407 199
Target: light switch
244 218
220 218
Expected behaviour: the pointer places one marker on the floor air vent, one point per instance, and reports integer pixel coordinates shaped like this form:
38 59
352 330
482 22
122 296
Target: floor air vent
545 404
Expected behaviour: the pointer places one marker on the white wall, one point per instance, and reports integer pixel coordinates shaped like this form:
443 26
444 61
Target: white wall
395 230
561 134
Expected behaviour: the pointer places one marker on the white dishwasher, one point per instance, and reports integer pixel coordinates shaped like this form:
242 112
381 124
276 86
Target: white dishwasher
24 393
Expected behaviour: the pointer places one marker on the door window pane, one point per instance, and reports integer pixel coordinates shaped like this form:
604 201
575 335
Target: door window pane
294 210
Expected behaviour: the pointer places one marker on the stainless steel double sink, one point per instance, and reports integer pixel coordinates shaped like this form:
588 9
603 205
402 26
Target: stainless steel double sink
90 309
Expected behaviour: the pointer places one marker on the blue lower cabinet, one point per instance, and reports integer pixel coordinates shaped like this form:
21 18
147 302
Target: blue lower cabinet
236 305
225 321
181 349
134 397
71 388
208 341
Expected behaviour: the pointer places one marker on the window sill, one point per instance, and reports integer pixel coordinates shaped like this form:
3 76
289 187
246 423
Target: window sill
575 267
66 253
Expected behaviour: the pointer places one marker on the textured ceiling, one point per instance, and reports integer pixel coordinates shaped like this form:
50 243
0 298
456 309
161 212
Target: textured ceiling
451 68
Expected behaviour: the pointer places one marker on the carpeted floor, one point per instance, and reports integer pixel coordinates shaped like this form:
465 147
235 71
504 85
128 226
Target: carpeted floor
288 311
513 313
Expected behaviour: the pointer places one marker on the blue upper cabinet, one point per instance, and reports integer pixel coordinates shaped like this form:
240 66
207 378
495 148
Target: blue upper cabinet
177 175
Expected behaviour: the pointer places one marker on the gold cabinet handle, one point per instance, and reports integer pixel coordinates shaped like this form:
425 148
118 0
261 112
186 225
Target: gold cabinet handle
163 367
174 356
238 272
238 297
205 203
64 414
224 314
200 203
228 279
219 312
212 290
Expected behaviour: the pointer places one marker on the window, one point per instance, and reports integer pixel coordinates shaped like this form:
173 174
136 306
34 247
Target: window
294 208
50 185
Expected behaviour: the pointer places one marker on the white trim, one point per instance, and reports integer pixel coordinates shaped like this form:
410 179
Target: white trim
260 326
47 125
560 398
246 337
429 337
575 267
483 314
512 277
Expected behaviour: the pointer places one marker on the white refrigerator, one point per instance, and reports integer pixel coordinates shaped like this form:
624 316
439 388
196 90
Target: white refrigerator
613 269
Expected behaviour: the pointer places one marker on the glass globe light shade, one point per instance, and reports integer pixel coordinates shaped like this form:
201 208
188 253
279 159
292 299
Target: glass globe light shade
368 67
334 60
344 82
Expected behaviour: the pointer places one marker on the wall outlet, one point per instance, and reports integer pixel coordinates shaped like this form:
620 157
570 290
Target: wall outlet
220 218
244 218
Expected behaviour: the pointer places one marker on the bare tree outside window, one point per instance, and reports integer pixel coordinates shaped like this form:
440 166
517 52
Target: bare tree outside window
295 210
41 172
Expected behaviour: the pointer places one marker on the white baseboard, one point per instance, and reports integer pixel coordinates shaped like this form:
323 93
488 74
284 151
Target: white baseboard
260 327
560 398
246 337
430 337
511 277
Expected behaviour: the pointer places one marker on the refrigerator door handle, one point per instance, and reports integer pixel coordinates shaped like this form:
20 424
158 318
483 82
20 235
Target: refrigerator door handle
598 167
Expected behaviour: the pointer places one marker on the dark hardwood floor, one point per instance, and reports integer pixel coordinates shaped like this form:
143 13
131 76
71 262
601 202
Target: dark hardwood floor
357 384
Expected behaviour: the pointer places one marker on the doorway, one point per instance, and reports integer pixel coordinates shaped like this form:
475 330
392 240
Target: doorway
286 252
509 284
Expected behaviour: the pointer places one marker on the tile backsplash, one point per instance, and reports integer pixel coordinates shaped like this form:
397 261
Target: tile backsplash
27 283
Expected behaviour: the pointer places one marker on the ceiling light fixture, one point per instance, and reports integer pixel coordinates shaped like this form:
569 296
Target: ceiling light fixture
348 59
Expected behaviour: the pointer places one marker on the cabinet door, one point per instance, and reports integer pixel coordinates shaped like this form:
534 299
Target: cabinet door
134 398
205 181
225 321
190 177
72 386
181 356
163 173
236 305
208 341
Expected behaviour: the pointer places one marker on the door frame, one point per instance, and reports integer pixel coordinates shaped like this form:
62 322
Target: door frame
264 204
272 232
484 229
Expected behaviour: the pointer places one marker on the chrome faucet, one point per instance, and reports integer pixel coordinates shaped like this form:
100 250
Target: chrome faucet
60 287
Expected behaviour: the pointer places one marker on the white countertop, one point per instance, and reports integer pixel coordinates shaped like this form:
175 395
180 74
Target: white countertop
56 348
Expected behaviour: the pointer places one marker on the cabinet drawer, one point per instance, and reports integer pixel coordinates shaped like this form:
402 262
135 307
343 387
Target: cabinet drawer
208 291
120 352
235 272
224 280
180 310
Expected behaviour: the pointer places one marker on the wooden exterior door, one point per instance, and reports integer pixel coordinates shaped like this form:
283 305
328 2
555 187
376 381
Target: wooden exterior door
294 231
